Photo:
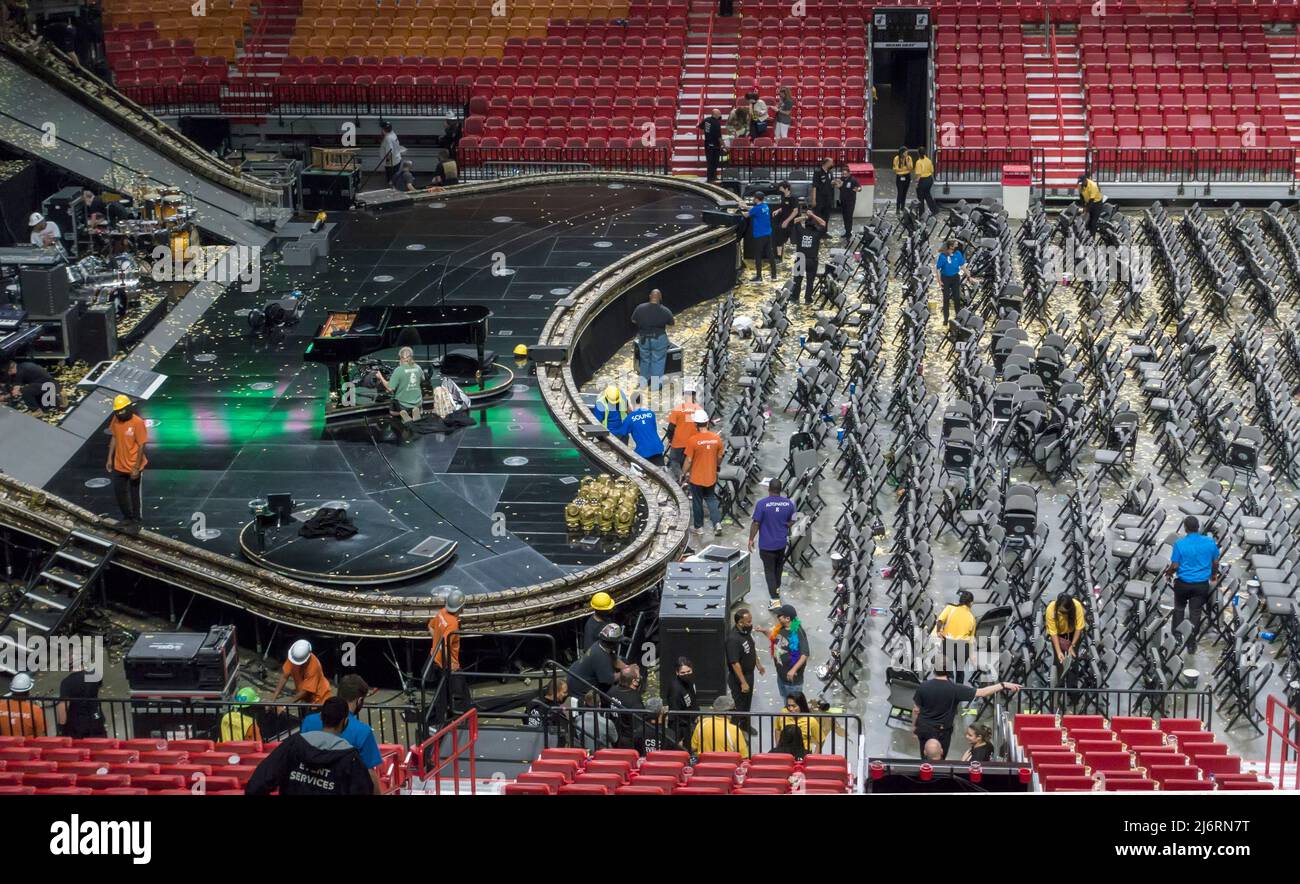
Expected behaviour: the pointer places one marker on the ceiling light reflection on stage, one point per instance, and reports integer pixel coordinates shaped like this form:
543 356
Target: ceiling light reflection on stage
205 357
416 247
603 244
383 278
560 291
503 219
97 482
515 461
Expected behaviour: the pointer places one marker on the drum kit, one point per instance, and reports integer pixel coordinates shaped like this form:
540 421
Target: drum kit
163 214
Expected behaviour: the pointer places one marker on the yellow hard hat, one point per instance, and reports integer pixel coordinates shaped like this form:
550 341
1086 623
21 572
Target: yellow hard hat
120 402
601 601
611 393
521 349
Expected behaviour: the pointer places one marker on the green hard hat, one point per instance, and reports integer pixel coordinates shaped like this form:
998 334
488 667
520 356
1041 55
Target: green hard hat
247 695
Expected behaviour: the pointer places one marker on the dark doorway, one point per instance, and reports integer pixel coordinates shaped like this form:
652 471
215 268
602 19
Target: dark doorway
901 78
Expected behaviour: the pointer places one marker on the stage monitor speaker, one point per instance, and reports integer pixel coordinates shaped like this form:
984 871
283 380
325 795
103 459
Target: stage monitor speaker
45 290
548 355
695 628
465 362
97 334
280 503
722 219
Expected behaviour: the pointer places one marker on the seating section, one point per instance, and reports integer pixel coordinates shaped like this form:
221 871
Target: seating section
565 74
981 91
623 772
102 766
589 81
147 41
823 61
1188 81
1073 753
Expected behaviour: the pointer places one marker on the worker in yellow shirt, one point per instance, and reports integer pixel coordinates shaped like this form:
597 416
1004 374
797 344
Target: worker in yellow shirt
716 733
923 169
957 621
1065 623
1090 196
902 176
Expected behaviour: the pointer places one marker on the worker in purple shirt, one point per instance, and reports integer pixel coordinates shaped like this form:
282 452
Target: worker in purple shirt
773 516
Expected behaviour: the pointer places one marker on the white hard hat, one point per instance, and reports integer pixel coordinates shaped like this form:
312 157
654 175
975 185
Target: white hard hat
690 386
21 684
700 417
299 651
36 218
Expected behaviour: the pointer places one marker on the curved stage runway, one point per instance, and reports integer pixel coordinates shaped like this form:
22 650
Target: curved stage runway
241 417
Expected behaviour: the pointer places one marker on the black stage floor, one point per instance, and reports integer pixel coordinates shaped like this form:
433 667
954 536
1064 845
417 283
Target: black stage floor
240 417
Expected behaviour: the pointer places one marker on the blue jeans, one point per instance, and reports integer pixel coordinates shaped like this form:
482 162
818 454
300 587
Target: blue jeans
701 494
654 358
787 688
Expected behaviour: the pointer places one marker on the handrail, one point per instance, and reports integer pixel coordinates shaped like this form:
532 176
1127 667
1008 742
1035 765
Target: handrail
453 757
1288 745
1049 43
708 57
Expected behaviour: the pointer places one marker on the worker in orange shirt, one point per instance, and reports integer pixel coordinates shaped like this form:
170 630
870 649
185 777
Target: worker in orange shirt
309 682
443 669
19 716
680 426
126 461
703 457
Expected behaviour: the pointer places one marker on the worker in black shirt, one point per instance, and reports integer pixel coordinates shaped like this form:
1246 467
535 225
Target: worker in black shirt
934 706
788 208
78 711
652 320
681 698
823 190
808 230
712 128
32 385
848 187
742 658
599 667
628 706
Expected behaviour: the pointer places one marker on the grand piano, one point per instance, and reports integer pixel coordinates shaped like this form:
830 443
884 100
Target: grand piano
348 336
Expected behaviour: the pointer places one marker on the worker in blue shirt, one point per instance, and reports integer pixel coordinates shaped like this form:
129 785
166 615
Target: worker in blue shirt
949 266
760 228
1194 565
354 690
643 427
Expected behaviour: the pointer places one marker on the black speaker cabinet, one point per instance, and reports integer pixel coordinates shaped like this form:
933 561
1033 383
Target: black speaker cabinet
97 334
675 363
46 291
695 627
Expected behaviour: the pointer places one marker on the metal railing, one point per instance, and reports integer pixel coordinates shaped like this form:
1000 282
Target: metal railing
983 165
1283 722
299 99
434 756
1114 701
1167 165
186 719
749 156
645 731
477 163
